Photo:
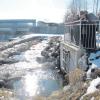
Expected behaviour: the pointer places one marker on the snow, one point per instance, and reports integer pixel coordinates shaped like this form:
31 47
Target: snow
92 88
30 35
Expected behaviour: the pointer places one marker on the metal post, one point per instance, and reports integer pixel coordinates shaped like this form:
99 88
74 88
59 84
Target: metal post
80 35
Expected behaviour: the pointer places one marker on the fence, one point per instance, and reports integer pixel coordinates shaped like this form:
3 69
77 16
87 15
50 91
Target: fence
83 34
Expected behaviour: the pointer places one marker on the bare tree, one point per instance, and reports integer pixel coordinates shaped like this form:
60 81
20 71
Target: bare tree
72 11
76 6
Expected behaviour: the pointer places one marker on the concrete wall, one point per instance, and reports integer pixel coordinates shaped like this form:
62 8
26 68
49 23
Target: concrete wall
74 55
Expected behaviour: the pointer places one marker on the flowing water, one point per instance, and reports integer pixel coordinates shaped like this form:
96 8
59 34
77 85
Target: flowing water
38 80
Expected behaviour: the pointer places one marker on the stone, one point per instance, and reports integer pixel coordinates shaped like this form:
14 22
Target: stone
40 59
95 72
2 83
45 54
66 88
54 54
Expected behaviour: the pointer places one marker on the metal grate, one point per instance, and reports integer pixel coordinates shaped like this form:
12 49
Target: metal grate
66 60
83 34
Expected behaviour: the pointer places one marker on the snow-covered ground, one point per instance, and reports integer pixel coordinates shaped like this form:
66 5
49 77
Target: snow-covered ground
30 35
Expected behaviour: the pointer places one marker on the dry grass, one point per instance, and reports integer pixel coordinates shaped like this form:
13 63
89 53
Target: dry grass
77 87
58 95
95 95
6 94
39 98
75 76
76 91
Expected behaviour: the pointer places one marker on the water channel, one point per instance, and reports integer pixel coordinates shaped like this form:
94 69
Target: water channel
38 80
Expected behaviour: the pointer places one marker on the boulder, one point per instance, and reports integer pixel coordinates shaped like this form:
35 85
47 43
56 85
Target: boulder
54 54
66 88
41 59
2 83
45 54
8 61
51 59
95 73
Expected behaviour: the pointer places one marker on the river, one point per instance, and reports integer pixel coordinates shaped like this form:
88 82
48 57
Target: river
39 78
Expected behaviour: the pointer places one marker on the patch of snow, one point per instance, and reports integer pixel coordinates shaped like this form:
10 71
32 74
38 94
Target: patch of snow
92 88
33 35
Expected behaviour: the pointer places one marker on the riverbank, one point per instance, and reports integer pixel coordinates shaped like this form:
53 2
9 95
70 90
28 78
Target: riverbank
83 85
77 89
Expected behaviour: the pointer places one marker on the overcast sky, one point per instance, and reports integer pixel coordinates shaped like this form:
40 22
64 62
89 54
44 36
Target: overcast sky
47 10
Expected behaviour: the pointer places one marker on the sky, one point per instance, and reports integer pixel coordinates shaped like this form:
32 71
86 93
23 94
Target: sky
45 10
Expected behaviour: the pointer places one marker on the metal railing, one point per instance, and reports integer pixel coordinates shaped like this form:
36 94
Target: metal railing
83 34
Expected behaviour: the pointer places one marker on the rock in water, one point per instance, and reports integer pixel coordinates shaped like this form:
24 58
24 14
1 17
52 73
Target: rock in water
2 83
45 54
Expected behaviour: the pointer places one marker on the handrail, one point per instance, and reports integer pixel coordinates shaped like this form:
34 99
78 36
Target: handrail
74 22
83 34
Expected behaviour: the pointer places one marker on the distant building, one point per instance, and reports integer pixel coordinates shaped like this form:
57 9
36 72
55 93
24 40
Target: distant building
13 28
50 28
42 27
17 25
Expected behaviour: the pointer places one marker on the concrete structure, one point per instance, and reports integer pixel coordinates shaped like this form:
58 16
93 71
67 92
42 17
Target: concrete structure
69 56
29 25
